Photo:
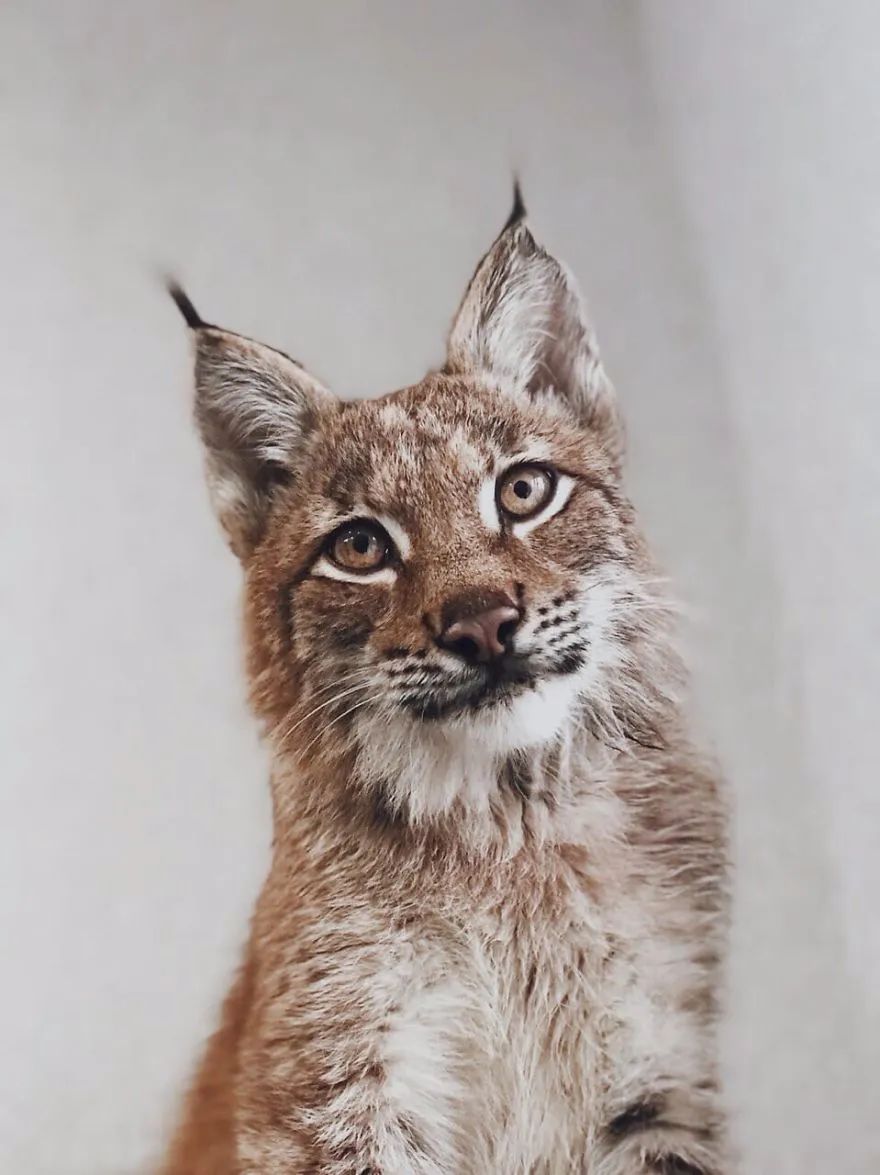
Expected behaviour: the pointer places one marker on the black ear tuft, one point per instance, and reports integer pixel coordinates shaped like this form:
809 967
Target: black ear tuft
185 306
518 212
522 322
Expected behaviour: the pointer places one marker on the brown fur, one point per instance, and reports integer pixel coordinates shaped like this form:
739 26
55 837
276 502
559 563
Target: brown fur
478 948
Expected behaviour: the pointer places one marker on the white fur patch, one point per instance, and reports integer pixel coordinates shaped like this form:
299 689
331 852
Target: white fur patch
427 766
398 535
421 1081
461 447
325 569
537 717
487 505
393 416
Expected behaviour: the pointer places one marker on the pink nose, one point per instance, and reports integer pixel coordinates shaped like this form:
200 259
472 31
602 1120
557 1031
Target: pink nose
481 636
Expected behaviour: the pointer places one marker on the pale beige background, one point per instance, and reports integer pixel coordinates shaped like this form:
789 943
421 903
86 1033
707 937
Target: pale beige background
325 176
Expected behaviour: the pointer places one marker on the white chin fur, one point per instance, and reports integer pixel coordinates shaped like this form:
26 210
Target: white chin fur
425 766
530 720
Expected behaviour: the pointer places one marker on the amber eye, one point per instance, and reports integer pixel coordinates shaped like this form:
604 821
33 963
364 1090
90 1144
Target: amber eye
524 490
359 546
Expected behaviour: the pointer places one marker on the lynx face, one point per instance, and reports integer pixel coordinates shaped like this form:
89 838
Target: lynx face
451 568
450 557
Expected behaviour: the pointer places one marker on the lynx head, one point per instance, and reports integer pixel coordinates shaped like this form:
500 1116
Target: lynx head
448 575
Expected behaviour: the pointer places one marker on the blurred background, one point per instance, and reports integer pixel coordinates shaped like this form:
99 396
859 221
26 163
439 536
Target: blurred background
324 177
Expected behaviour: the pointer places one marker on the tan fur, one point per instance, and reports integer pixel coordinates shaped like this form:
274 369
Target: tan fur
490 934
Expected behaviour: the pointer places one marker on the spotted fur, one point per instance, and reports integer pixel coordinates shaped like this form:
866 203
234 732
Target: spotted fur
490 935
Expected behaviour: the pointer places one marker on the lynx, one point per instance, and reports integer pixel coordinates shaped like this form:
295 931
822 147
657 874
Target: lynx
489 937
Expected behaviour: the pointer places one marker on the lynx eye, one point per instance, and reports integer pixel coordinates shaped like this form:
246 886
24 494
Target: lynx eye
524 490
359 546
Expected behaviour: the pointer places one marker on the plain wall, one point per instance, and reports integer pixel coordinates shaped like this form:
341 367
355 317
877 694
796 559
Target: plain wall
325 177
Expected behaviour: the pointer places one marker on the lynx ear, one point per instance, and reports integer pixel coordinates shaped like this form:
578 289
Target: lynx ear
254 407
522 322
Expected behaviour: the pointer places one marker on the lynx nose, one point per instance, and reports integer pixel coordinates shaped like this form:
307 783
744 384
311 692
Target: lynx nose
479 627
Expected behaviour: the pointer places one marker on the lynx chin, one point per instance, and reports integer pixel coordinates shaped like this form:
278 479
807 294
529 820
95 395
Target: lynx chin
489 938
